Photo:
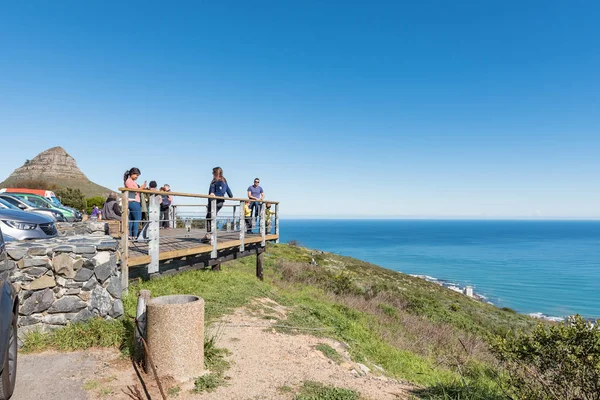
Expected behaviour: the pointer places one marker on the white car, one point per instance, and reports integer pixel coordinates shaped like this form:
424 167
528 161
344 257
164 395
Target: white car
21 225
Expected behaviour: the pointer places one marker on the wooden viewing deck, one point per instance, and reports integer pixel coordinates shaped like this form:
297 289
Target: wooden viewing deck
184 248
180 246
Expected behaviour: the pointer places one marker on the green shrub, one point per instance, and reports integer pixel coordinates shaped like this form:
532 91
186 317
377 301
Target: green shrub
553 362
208 382
90 201
343 283
71 198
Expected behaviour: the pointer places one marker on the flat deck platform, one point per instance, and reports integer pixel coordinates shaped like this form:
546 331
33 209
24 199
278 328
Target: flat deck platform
176 243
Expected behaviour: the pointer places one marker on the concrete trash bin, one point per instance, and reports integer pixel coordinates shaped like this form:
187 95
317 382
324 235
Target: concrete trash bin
175 335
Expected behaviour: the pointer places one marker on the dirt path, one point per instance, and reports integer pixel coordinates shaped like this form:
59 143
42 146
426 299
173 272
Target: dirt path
265 365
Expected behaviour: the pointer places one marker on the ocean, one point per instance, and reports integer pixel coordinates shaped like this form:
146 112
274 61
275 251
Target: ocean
547 268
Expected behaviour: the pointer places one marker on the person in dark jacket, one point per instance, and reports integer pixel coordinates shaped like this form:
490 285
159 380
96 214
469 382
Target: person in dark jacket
111 210
218 187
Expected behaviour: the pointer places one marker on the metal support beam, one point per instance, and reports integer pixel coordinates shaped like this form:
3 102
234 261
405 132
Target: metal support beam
234 216
277 222
154 233
213 226
242 225
124 241
263 229
173 217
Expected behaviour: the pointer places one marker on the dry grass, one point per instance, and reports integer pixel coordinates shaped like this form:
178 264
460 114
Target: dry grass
395 322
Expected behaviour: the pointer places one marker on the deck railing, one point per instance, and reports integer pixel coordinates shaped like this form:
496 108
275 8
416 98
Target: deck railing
194 220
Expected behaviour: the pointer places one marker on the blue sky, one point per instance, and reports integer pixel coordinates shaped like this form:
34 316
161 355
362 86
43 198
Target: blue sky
408 108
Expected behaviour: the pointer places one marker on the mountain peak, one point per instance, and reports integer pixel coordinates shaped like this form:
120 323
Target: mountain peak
55 167
55 150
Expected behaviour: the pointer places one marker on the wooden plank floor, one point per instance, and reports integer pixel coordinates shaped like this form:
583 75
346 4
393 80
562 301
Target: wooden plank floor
175 243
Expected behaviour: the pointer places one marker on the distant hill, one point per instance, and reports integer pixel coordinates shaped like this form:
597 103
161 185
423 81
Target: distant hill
53 168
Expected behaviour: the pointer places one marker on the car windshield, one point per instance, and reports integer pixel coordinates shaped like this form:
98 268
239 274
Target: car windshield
6 204
37 201
16 202
56 201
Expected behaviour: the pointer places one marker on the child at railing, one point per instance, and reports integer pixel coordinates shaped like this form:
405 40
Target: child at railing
268 218
248 216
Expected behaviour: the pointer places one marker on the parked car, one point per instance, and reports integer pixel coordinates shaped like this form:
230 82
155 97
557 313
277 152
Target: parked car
21 225
48 195
41 202
9 311
23 205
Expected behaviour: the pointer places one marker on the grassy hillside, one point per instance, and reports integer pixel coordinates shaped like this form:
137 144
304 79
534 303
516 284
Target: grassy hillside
400 326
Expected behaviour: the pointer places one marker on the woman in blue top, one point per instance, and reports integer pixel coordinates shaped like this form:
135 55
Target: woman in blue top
218 187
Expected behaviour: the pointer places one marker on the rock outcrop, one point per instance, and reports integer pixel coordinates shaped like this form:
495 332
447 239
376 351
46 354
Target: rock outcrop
54 163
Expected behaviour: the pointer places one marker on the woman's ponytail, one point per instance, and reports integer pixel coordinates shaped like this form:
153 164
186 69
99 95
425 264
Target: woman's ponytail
132 171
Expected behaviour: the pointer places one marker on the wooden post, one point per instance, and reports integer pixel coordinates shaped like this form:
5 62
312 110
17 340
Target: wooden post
242 225
213 225
263 227
125 241
140 316
277 222
260 259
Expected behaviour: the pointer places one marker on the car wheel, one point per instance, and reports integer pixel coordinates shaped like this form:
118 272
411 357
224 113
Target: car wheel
8 377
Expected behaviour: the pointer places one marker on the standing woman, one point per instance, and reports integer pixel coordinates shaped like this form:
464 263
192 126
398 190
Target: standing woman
135 207
218 187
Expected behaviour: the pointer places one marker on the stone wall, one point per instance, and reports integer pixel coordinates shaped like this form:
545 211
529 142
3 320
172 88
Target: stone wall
93 228
64 280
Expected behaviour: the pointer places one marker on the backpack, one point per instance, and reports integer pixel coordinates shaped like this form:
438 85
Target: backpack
165 202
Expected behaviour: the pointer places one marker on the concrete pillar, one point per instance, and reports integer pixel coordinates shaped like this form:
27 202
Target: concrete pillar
469 291
175 326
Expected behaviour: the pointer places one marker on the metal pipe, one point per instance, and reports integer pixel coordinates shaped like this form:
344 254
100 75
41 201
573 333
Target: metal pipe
242 225
213 225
